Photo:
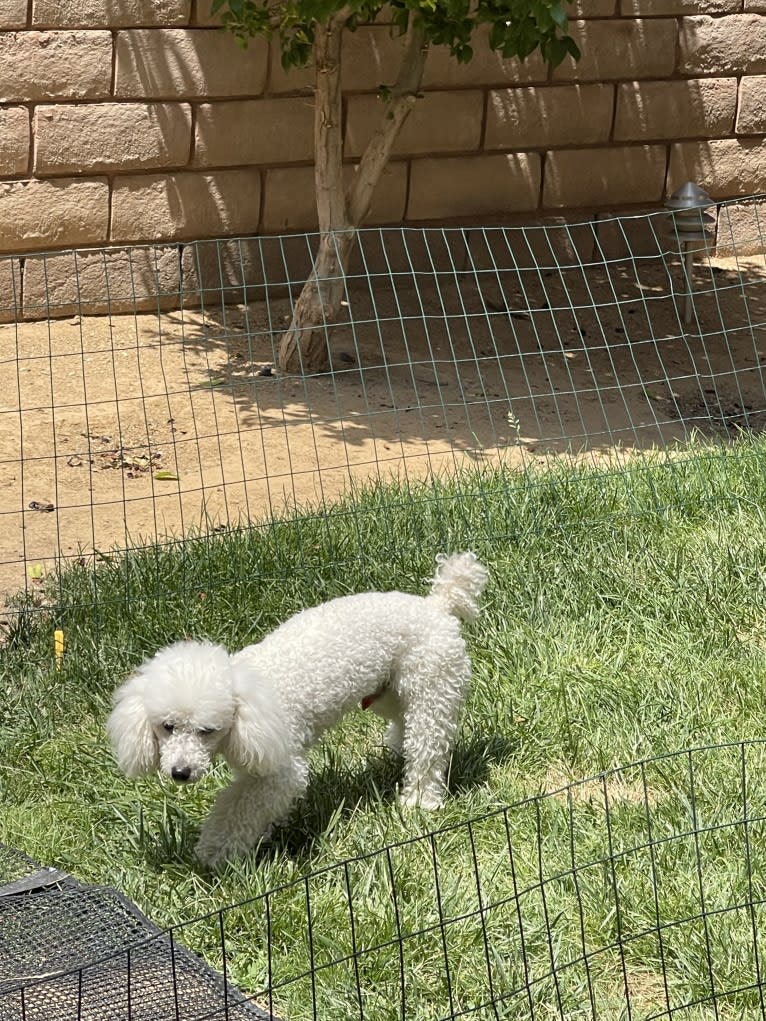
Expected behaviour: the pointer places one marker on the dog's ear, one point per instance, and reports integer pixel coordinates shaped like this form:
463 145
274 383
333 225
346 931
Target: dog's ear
130 732
258 740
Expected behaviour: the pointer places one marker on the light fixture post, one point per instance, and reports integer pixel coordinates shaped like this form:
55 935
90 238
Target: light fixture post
687 208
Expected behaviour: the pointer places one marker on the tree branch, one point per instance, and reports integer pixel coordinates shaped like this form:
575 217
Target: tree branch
401 100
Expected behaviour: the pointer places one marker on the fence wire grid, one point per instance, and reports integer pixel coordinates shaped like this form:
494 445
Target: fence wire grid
144 410
143 399
637 893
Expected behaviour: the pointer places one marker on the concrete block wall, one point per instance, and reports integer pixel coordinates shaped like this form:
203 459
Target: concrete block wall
139 121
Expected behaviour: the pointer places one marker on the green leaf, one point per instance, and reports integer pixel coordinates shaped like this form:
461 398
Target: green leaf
165 476
556 48
517 28
572 47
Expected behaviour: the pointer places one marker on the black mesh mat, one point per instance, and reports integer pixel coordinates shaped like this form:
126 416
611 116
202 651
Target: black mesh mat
17 872
85 953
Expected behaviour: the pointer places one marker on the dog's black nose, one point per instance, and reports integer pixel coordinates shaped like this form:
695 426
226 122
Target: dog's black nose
181 773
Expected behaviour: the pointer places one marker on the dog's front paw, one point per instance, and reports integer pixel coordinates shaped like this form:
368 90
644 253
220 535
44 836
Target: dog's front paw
428 799
214 849
211 853
208 856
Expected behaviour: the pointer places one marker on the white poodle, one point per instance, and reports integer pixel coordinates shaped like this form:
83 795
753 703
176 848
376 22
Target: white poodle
262 708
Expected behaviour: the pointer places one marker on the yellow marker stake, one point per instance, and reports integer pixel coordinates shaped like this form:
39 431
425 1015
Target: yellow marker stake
58 645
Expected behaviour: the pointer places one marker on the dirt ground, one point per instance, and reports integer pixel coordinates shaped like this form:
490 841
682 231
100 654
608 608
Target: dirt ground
116 430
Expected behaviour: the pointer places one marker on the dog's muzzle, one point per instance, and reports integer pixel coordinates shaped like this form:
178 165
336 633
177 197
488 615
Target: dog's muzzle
181 774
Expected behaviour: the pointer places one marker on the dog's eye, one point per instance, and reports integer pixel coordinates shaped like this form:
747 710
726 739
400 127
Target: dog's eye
206 731
168 727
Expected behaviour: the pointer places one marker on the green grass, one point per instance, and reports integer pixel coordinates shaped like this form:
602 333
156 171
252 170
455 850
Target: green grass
624 619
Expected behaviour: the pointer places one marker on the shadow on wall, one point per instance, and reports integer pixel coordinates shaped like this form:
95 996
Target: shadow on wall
186 203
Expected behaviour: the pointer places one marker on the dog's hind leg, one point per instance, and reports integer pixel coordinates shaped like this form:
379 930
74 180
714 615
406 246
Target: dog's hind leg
435 682
246 812
426 750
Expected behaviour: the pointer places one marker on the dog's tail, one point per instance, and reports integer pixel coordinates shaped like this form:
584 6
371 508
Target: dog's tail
458 584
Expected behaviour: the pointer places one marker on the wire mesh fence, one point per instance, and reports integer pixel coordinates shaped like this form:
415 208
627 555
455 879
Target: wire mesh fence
637 893
143 397
145 410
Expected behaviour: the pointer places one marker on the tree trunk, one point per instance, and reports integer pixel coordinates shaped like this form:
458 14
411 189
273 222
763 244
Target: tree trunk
305 344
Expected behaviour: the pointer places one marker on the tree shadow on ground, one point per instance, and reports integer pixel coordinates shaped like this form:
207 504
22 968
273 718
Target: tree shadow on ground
470 352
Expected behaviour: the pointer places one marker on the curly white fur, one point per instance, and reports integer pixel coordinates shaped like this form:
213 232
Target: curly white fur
263 707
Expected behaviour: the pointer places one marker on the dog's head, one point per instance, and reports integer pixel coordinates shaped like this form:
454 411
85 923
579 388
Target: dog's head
175 712
186 704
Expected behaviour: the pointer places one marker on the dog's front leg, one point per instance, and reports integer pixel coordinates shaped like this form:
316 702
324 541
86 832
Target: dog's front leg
246 812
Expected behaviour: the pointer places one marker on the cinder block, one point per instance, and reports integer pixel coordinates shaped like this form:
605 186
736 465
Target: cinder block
290 198
741 228
117 281
111 136
245 132
621 48
604 177
298 80
438 122
109 13
644 235
13 14
185 205
381 253
487 67
591 8
473 186
14 140
721 46
48 214
669 8
751 116
10 290
221 272
243 270
699 107
45 66
538 244
201 14
370 58
178 63
540 118
724 167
